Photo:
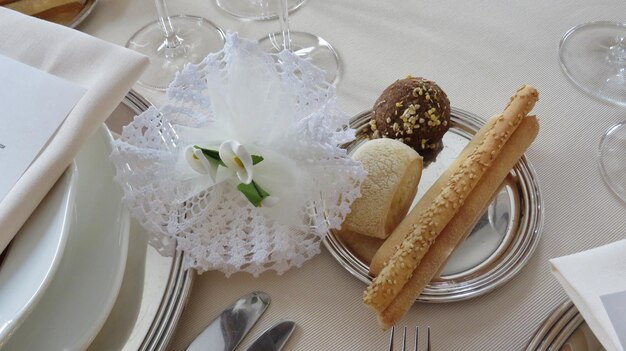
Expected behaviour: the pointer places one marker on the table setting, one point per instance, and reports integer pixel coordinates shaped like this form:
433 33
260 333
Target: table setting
312 175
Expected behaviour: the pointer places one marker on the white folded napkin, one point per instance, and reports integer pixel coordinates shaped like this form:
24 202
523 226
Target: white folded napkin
106 70
586 276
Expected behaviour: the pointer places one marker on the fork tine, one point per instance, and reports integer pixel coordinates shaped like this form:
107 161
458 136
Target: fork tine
393 328
415 341
404 339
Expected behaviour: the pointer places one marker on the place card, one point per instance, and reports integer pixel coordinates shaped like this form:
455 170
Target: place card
33 104
615 306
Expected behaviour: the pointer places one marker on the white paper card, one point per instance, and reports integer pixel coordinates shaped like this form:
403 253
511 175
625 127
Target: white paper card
33 104
615 306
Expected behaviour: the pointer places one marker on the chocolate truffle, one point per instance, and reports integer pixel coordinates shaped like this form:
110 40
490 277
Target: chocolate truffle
413 110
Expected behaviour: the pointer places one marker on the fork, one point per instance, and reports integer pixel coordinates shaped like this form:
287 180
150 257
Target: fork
415 343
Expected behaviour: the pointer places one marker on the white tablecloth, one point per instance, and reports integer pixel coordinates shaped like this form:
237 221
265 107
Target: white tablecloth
480 52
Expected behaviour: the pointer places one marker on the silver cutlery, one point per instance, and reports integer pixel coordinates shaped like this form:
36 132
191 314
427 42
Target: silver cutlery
416 340
227 330
274 338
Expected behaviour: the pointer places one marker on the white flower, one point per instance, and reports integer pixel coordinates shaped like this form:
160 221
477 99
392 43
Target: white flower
236 157
196 159
235 160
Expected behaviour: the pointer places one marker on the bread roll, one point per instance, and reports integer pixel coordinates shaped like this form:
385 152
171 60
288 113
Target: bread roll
421 227
63 14
363 247
34 7
462 223
393 172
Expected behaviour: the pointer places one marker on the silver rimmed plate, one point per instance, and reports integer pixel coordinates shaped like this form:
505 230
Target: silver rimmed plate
501 242
75 20
564 330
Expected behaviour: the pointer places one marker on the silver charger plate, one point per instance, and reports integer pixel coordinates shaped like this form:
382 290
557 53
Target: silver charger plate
500 244
564 330
155 287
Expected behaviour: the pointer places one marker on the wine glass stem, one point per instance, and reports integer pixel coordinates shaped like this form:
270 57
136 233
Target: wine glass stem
283 15
171 40
617 57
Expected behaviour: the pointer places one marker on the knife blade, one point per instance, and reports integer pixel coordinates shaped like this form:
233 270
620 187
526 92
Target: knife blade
274 338
227 330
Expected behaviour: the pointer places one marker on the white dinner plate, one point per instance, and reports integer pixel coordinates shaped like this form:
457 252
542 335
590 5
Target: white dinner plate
155 286
85 287
34 255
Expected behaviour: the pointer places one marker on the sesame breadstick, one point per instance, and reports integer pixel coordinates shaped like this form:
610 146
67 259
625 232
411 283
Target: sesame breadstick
462 223
426 225
393 242
395 239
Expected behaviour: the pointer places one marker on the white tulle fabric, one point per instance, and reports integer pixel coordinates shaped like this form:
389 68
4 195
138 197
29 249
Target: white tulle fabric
279 106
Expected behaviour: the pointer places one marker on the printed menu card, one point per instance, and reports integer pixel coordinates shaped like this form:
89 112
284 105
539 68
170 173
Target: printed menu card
615 305
33 104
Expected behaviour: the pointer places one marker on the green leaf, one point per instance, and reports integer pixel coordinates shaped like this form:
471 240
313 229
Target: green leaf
261 191
211 155
253 192
256 159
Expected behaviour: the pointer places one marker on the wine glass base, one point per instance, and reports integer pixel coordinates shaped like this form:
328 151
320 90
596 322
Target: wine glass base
588 58
310 47
612 159
198 38
253 10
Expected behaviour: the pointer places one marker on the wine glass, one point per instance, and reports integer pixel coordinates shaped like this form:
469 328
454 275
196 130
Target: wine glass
171 42
303 44
252 9
593 57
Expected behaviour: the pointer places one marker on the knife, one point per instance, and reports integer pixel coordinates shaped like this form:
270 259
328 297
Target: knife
274 338
227 330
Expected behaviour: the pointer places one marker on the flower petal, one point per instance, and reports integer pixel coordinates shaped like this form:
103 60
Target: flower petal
270 201
236 157
199 163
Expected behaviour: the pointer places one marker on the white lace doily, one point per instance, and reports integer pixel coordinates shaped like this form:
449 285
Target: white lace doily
273 102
